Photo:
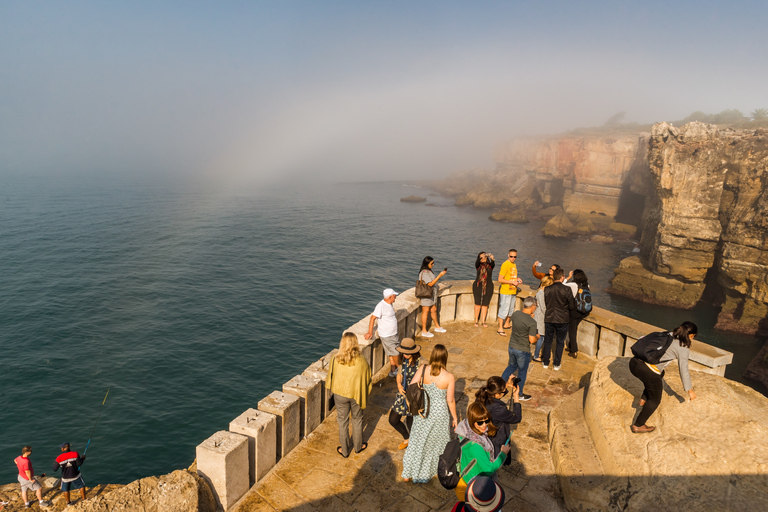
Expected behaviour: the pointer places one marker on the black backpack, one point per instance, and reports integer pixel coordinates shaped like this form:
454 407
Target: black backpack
652 346
584 302
449 464
416 399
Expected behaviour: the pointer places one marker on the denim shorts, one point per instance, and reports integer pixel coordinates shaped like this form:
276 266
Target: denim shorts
77 483
506 305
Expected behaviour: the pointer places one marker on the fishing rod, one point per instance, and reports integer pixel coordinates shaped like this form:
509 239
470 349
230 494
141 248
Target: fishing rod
97 421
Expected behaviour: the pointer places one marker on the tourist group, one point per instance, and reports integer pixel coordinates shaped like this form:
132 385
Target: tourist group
424 410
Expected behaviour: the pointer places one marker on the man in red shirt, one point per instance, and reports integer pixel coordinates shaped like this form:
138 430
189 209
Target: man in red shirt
27 478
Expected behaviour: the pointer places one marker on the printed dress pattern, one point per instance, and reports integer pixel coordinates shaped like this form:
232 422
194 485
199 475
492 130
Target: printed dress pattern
428 438
407 371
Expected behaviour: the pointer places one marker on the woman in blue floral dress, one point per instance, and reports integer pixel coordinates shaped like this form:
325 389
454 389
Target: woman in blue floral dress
410 351
430 435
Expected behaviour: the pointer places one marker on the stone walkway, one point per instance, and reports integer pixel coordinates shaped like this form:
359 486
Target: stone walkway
313 477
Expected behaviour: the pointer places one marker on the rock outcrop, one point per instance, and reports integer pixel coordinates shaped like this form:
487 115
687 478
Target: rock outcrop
583 175
180 491
708 454
704 224
413 199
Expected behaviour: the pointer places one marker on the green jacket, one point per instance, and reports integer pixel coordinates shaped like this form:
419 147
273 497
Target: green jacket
484 466
352 381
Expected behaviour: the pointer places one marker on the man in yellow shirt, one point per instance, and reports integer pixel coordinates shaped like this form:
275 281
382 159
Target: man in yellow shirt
509 281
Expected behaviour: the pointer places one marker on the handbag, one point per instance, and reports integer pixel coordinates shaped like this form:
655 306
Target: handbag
416 399
423 290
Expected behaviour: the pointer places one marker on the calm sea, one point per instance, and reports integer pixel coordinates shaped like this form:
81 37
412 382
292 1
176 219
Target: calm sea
191 304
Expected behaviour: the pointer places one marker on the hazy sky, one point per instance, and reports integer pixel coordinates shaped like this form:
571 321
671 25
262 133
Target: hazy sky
352 90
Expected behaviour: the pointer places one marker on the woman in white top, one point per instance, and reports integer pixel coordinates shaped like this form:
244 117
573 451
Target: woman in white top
430 305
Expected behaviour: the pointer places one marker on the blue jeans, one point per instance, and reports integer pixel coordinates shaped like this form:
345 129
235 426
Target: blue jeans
549 334
518 362
539 343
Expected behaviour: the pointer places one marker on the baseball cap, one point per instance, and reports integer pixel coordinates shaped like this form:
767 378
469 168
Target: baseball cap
389 292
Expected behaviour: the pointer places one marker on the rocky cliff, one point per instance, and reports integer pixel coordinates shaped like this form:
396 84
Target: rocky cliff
577 181
704 224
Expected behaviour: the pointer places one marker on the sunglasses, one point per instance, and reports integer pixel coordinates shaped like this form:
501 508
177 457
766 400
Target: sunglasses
505 392
482 422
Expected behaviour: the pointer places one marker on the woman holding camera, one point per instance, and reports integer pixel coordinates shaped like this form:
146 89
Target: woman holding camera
482 287
429 305
502 418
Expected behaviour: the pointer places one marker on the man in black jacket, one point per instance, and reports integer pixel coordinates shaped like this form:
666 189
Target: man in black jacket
560 302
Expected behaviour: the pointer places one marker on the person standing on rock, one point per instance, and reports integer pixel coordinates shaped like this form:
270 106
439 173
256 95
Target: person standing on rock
385 313
70 461
508 290
678 343
541 309
482 287
524 334
27 478
578 281
399 409
559 303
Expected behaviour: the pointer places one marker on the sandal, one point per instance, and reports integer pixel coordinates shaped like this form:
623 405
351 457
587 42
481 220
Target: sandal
362 448
501 333
537 360
338 449
485 325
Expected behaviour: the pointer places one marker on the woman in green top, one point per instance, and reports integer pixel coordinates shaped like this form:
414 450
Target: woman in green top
349 379
477 428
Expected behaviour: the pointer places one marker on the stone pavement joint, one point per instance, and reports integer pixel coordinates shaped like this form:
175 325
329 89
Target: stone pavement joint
314 478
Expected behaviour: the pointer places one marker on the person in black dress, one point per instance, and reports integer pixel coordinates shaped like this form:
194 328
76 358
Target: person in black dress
482 287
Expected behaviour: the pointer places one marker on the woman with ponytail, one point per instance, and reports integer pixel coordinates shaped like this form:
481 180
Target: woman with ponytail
502 418
678 343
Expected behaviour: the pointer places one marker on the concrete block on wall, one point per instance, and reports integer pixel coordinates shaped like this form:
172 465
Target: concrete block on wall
628 346
447 309
611 343
377 355
493 308
222 460
587 337
310 396
465 307
260 428
319 370
286 408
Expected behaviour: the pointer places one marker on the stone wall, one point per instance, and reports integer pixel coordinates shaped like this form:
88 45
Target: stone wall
231 461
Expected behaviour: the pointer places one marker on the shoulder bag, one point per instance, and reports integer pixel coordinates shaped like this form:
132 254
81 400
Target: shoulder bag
416 399
423 290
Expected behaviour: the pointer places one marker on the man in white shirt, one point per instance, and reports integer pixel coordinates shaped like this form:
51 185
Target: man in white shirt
385 313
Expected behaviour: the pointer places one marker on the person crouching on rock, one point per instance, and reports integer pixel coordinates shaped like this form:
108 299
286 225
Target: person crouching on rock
678 343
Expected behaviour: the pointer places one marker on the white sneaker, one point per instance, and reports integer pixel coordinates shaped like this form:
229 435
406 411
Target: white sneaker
557 367
545 366
440 329
427 334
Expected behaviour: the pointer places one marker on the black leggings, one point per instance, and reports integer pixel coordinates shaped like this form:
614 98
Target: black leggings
394 420
654 385
573 329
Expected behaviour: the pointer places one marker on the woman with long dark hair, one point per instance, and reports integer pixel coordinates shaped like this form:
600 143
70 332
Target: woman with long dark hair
482 287
491 395
579 283
652 375
429 305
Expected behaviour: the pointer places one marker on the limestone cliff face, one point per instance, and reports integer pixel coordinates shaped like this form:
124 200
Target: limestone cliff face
704 224
584 175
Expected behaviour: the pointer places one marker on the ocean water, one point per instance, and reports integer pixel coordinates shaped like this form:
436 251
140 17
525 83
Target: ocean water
190 304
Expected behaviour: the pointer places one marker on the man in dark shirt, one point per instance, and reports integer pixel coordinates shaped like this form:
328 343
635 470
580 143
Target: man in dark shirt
70 461
524 333
560 302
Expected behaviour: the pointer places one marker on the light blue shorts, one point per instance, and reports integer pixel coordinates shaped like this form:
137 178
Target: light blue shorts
506 305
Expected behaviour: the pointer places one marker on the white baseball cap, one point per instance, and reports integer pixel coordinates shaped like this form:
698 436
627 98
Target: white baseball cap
389 292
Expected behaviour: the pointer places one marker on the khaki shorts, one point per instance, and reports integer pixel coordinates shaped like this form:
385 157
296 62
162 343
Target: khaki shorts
28 485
